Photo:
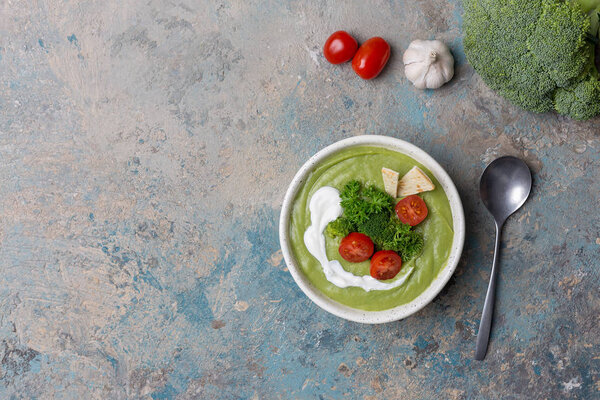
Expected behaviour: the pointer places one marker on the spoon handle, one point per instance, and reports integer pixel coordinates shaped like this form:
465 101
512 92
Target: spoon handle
485 325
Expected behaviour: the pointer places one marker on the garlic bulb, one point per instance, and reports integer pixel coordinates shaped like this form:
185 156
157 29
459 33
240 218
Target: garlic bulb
428 64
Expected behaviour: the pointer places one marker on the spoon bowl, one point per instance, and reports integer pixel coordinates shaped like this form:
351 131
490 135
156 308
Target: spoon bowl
504 186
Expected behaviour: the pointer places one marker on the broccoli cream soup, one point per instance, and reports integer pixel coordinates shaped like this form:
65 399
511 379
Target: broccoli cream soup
317 254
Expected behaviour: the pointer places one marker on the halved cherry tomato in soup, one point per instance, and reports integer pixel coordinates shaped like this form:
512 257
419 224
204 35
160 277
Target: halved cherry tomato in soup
385 264
411 210
340 47
356 247
371 57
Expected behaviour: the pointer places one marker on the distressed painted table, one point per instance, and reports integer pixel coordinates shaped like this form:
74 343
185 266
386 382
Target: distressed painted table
145 148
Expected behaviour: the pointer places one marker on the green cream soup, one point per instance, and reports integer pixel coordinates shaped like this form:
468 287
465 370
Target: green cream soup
364 164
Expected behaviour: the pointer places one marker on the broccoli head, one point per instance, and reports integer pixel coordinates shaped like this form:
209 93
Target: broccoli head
536 53
580 100
339 228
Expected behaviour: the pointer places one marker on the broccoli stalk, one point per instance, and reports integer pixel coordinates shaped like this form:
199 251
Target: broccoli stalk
592 9
536 53
587 5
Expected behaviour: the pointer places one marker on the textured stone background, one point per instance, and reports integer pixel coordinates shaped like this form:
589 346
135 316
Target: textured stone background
145 148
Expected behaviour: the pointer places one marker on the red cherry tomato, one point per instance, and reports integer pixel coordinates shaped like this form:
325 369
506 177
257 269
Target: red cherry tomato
385 264
340 47
411 210
356 247
371 57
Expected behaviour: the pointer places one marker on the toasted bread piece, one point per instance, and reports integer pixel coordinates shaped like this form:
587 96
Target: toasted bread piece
390 181
415 181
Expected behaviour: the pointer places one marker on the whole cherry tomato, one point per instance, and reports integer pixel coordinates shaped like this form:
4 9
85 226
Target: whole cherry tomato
411 210
356 247
385 264
371 57
339 47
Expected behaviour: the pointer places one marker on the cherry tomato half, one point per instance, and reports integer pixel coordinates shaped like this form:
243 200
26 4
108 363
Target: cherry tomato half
411 210
340 47
356 247
385 264
371 57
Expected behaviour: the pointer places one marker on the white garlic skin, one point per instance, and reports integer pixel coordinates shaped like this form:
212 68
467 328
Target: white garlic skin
428 64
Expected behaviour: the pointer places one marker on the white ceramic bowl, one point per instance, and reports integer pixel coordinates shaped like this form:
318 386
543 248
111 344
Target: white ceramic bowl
392 314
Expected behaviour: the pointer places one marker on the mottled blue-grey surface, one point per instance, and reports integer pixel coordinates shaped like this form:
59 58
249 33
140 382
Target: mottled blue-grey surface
145 147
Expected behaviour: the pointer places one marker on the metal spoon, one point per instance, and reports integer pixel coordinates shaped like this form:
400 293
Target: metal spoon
504 186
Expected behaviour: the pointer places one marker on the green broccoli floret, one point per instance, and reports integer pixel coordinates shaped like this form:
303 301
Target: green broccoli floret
579 101
388 233
339 228
375 227
536 53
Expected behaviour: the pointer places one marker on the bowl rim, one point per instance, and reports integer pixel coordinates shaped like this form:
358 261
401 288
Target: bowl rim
398 312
